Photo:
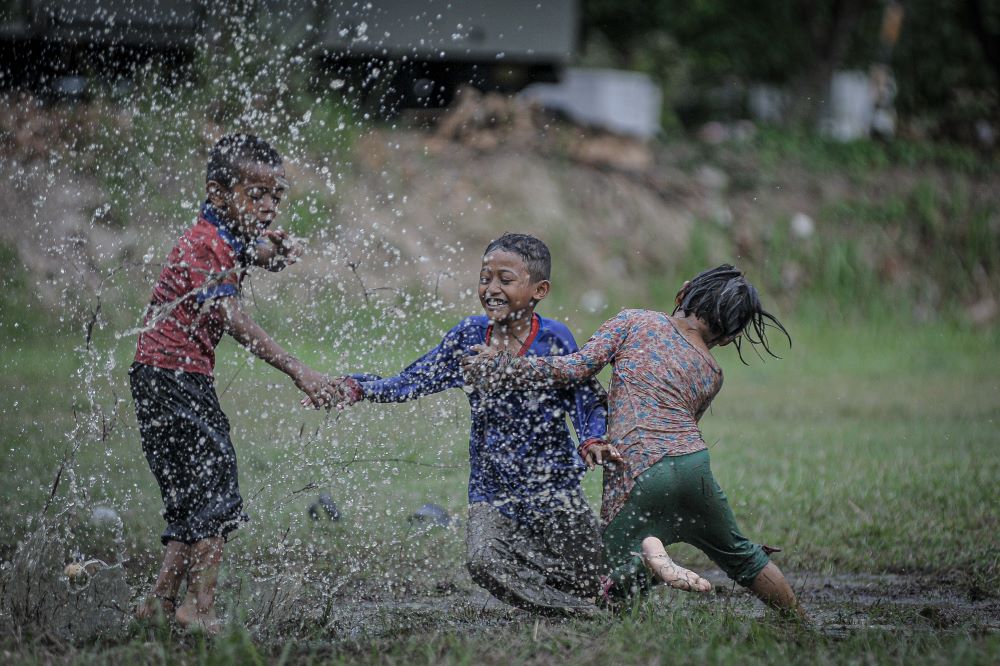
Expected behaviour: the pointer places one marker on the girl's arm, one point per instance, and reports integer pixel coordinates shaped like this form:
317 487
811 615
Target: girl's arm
491 369
589 401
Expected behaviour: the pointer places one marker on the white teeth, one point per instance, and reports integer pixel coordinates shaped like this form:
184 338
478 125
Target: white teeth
495 302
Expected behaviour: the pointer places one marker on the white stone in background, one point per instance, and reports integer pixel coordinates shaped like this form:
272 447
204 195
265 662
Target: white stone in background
767 103
593 301
802 226
851 106
713 133
615 100
985 133
720 212
104 514
712 177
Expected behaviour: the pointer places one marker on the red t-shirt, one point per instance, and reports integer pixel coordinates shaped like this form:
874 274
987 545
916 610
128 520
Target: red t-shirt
183 323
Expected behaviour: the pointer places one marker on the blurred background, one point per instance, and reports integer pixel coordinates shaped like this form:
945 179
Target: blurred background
833 148
843 153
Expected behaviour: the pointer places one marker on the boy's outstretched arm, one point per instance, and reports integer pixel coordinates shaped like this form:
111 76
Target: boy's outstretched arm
435 371
317 386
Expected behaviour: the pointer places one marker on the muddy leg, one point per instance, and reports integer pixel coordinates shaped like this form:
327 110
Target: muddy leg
198 610
503 561
162 598
771 587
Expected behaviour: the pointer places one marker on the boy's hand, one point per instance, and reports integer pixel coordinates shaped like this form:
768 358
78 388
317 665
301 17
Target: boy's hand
476 368
597 452
280 251
319 389
346 392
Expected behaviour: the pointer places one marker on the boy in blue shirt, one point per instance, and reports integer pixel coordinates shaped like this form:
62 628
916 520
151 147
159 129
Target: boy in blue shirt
532 539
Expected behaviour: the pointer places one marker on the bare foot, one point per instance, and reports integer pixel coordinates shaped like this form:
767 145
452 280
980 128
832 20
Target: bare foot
192 619
153 607
655 557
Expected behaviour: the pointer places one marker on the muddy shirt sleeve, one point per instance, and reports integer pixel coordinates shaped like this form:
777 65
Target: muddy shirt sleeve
435 371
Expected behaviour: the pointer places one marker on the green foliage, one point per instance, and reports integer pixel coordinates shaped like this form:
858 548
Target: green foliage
941 63
859 158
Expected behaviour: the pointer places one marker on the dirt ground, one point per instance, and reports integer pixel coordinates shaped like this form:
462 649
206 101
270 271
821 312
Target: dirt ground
837 604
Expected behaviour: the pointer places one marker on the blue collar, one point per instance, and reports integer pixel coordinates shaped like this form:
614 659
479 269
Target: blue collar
211 215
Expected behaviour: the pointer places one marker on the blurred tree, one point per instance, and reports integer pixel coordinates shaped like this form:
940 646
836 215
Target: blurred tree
984 22
948 52
945 63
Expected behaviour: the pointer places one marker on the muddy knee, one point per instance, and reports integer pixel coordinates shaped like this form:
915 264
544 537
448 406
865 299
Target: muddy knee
482 569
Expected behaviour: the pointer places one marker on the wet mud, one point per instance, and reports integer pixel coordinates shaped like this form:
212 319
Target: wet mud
838 605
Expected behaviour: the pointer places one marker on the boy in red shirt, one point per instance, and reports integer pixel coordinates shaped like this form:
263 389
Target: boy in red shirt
185 434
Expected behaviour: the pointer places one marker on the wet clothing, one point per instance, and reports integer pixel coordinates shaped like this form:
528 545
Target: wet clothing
678 499
185 436
661 385
521 454
181 328
532 539
550 564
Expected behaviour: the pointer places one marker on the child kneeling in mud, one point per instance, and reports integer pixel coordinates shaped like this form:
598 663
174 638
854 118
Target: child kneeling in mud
663 380
532 539
185 434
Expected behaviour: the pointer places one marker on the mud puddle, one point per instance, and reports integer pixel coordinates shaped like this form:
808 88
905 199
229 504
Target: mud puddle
838 605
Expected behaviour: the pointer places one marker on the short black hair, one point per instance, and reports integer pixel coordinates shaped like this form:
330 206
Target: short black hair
534 252
232 152
724 299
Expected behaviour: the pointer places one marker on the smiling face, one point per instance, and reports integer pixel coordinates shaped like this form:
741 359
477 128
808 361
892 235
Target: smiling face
250 205
506 289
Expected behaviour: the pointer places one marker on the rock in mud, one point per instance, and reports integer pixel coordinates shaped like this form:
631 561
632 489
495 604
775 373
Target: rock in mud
324 507
431 514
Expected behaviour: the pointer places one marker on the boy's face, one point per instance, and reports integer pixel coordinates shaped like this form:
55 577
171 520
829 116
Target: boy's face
506 289
252 203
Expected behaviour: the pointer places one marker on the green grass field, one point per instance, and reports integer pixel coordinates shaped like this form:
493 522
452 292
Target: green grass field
867 450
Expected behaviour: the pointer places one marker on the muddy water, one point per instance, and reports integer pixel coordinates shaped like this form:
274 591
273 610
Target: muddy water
841 603
838 605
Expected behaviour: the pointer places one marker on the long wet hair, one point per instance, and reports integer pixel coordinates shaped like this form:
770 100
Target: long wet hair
724 299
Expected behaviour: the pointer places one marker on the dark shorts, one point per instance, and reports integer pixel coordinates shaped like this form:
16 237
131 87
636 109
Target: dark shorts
185 437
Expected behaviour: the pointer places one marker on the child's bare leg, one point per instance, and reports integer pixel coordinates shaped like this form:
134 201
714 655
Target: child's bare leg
198 609
655 557
773 589
162 598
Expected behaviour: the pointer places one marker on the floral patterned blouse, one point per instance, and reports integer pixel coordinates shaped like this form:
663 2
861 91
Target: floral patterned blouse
661 385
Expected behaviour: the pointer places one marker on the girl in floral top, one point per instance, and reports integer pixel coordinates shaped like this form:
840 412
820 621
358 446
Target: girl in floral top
663 379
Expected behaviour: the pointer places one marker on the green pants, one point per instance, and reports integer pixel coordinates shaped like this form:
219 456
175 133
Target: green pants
678 499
